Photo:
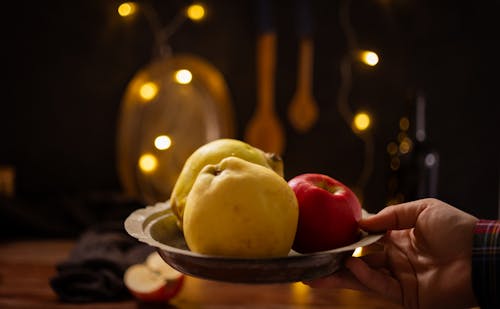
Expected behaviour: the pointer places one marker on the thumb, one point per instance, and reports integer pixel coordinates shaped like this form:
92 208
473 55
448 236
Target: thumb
394 217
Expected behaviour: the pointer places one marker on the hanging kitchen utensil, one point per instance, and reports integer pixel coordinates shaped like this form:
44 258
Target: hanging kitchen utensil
163 119
303 109
264 129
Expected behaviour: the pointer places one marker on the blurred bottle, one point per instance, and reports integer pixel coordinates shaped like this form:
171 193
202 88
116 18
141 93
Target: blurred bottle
426 157
413 161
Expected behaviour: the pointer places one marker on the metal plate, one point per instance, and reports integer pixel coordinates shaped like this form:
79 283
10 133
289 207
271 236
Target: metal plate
156 226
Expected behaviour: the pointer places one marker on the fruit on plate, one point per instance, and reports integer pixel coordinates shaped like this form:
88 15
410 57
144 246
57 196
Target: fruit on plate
154 280
240 209
329 213
212 153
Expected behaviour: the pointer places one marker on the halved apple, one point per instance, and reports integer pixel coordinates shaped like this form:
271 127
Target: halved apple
154 280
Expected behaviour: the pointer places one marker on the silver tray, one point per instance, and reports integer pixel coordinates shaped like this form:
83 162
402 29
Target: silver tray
156 226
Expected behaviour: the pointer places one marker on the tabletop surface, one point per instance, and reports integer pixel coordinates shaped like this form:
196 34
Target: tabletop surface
26 267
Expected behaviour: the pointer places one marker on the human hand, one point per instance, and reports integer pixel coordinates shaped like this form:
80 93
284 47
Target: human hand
426 261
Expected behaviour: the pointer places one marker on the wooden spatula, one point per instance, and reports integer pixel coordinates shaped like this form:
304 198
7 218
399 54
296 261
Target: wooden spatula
264 129
303 109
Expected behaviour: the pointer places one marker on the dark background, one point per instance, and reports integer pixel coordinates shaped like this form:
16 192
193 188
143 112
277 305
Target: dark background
68 64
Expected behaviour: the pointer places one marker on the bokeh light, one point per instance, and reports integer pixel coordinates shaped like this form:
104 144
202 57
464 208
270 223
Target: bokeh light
369 57
404 123
392 148
195 12
148 91
405 145
183 76
127 9
430 160
395 163
361 121
163 142
148 163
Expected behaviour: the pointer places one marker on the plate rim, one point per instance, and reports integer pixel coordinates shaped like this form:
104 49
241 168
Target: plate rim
138 223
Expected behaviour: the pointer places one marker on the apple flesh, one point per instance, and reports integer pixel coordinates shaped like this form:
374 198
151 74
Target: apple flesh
154 280
329 213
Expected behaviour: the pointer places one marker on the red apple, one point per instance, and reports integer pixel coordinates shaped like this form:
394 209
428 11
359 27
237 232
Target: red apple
154 280
328 213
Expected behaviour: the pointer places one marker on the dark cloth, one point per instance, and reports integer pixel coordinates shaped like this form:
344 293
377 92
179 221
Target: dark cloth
95 267
486 263
53 215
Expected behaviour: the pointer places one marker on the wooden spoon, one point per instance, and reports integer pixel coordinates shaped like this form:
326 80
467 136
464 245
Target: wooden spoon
303 110
264 129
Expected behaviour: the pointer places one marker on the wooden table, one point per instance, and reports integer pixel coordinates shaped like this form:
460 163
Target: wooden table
26 266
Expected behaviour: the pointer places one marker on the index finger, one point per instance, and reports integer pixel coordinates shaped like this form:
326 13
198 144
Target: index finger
395 217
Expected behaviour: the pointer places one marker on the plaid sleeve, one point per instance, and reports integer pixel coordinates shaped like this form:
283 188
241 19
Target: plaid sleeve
485 263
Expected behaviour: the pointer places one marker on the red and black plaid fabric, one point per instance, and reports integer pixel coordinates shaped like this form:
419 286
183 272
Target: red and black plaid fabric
486 263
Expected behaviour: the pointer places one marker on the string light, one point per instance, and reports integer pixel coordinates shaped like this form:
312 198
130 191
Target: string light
343 105
369 57
145 166
361 121
148 163
404 123
163 142
148 91
183 76
195 12
127 9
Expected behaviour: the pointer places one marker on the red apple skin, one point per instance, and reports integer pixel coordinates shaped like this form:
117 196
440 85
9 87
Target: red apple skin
329 213
159 295
164 294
